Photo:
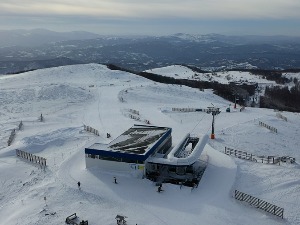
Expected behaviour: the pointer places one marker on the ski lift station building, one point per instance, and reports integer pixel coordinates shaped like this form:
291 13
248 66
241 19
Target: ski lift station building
148 150
131 149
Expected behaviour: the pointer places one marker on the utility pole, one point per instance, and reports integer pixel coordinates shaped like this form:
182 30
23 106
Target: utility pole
214 111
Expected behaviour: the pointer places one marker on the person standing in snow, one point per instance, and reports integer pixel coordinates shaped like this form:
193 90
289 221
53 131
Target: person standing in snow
78 183
159 188
115 179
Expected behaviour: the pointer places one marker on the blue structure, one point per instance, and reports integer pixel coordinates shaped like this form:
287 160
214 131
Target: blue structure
134 146
147 150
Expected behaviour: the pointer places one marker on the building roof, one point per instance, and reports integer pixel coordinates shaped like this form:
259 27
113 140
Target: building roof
138 140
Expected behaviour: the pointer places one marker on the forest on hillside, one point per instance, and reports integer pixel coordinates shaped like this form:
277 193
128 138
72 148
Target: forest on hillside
282 98
277 97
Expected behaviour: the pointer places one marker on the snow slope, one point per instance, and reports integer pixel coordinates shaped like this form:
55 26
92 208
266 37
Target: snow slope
182 72
71 96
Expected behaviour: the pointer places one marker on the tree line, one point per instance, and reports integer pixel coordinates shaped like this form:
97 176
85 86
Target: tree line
229 92
282 98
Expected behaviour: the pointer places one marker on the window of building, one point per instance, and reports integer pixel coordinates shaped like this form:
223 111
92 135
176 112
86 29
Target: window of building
108 158
128 160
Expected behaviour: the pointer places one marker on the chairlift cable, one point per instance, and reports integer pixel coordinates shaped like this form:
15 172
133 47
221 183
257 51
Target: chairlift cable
198 123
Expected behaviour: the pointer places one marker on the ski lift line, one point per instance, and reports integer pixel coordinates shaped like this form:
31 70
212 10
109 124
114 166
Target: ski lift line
198 123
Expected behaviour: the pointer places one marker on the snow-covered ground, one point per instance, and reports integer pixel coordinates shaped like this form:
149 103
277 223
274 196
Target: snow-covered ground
182 72
71 96
293 77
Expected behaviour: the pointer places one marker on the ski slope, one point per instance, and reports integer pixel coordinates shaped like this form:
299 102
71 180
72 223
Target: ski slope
91 94
182 72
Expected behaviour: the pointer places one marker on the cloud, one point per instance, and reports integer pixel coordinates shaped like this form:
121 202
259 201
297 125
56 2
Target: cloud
208 9
154 17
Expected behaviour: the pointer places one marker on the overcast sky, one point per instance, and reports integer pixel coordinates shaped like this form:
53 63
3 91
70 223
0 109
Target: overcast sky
156 17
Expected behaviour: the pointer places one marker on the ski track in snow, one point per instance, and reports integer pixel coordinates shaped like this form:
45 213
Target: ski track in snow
91 94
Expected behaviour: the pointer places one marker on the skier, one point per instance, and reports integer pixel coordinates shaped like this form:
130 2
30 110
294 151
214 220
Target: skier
78 183
115 179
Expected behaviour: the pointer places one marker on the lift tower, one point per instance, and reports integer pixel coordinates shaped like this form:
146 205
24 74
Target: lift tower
214 111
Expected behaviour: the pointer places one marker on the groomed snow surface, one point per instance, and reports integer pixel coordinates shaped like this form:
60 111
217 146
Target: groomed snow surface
71 96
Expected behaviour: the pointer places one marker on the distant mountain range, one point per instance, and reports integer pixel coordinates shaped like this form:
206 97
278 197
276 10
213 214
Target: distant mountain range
37 37
33 49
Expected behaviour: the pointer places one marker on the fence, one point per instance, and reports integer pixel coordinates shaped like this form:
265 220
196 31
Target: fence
31 158
134 111
268 159
132 114
184 109
134 117
279 115
189 110
258 203
11 137
267 126
20 125
261 159
90 129
238 154
13 134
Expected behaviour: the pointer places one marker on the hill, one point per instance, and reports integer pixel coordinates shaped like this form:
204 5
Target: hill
264 88
92 94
